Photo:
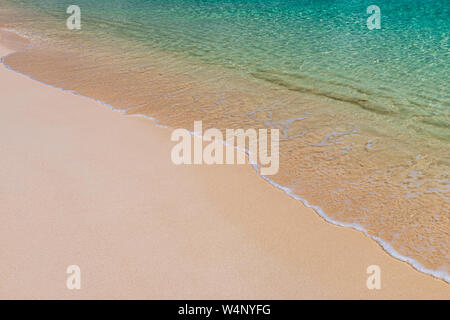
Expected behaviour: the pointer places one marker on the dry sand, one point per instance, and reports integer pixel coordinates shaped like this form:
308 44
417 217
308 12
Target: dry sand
83 185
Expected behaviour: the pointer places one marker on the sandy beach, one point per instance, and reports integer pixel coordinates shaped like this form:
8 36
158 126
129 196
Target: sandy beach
83 185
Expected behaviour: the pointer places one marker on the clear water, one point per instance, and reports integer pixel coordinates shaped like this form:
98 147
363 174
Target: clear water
364 114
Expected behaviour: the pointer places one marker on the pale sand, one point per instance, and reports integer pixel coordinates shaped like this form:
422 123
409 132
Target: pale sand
81 184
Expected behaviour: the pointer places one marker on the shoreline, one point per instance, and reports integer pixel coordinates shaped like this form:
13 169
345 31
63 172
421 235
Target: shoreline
348 156
299 207
386 246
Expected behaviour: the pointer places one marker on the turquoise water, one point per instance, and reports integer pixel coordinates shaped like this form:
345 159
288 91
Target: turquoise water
364 114
400 70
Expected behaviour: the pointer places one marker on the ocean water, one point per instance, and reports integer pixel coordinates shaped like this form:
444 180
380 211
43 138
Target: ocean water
364 114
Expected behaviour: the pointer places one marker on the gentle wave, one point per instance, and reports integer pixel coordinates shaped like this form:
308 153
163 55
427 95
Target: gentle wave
370 152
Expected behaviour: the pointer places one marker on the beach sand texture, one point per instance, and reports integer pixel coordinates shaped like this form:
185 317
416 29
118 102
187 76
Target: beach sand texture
83 185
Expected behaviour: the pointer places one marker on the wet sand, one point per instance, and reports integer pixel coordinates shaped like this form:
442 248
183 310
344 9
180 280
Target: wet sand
83 185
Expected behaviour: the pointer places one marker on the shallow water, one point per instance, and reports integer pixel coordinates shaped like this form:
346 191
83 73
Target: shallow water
363 114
